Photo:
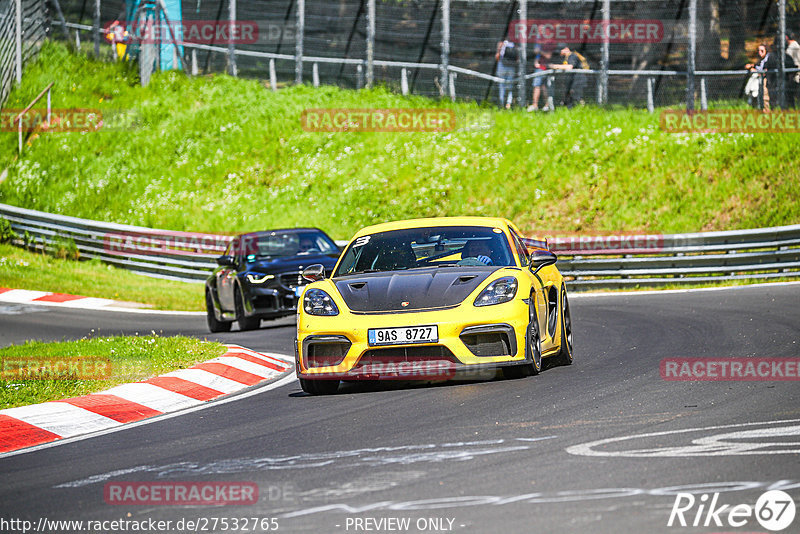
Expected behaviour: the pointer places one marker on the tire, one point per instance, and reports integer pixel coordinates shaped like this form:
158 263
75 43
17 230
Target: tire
245 323
214 325
319 387
533 347
564 357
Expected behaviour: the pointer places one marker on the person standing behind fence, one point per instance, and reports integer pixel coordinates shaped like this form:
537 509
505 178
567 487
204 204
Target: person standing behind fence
792 78
540 82
764 64
573 94
507 57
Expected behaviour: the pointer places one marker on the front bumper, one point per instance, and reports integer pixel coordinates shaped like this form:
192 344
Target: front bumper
469 338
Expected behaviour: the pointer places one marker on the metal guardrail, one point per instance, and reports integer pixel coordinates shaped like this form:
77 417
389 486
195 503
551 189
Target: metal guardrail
588 262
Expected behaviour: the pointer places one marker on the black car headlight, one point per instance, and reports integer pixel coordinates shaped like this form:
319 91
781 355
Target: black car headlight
258 278
500 291
317 302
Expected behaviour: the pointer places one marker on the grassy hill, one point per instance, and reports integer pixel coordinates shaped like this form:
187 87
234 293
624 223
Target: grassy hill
221 154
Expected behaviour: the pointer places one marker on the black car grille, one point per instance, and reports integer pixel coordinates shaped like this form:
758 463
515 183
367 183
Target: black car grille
408 354
292 280
488 344
326 354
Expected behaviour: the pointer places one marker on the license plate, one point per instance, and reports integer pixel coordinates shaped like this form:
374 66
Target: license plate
403 335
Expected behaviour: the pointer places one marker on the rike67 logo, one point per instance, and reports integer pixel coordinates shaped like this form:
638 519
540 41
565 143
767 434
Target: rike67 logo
774 511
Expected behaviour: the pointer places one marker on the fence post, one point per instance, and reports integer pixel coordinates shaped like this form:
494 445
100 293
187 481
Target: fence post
359 76
452 85
78 41
522 65
604 57
691 54
194 62
445 61
315 74
231 45
96 28
781 50
650 107
18 40
404 81
370 42
273 77
298 48
703 96
550 102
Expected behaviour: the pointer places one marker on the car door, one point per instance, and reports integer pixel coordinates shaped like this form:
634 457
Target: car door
226 277
540 295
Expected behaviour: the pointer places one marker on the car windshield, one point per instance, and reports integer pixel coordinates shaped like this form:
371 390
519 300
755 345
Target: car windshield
285 244
426 247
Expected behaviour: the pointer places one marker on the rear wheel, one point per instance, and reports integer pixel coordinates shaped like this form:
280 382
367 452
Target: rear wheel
564 357
245 323
533 347
319 387
214 325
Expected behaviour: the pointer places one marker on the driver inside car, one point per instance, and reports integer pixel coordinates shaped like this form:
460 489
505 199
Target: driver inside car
477 252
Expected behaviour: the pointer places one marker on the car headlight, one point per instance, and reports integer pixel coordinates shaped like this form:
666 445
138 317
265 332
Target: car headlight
317 302
499 291
258 278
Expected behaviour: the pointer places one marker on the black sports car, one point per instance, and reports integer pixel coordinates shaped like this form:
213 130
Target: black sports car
259 276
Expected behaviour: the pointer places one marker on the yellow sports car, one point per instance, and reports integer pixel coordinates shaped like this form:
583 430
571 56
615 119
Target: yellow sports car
430 299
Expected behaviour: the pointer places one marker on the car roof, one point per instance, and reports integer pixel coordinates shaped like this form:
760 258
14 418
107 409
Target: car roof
489 222
279 231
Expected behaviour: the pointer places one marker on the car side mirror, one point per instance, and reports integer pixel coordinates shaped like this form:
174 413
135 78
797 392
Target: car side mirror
542 258
226 261
315 272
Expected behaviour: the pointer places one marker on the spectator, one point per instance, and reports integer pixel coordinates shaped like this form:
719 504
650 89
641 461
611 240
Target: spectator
540 82
507 57
573 93
793 78
765 66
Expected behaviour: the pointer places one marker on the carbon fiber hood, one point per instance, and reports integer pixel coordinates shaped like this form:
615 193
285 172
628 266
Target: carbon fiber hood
419 288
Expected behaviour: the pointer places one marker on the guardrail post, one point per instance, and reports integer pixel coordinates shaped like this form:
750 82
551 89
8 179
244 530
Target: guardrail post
452 86
231 33
77 41
194 62
650 106
445 60
298 47
315 74
404 81
273 77
370 42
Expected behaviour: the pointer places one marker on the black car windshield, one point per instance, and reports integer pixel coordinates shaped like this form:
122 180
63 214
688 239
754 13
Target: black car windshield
285 244
426 247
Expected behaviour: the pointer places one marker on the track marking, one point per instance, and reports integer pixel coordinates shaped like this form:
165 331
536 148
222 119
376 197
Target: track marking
722 444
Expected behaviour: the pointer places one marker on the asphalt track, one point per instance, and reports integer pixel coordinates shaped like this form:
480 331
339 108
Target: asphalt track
484 456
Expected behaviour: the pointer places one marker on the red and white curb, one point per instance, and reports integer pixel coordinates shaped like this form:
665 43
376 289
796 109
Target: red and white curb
65 300
239 368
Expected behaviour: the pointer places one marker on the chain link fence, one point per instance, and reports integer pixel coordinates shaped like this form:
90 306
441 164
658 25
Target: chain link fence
23 27
643 53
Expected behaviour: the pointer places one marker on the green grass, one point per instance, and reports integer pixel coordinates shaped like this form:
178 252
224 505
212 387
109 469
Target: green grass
21 269
132 358
226 155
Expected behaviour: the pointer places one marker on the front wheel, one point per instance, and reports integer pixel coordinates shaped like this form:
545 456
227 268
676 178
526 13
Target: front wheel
214 325
533 347
319 387
245 323
564 356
